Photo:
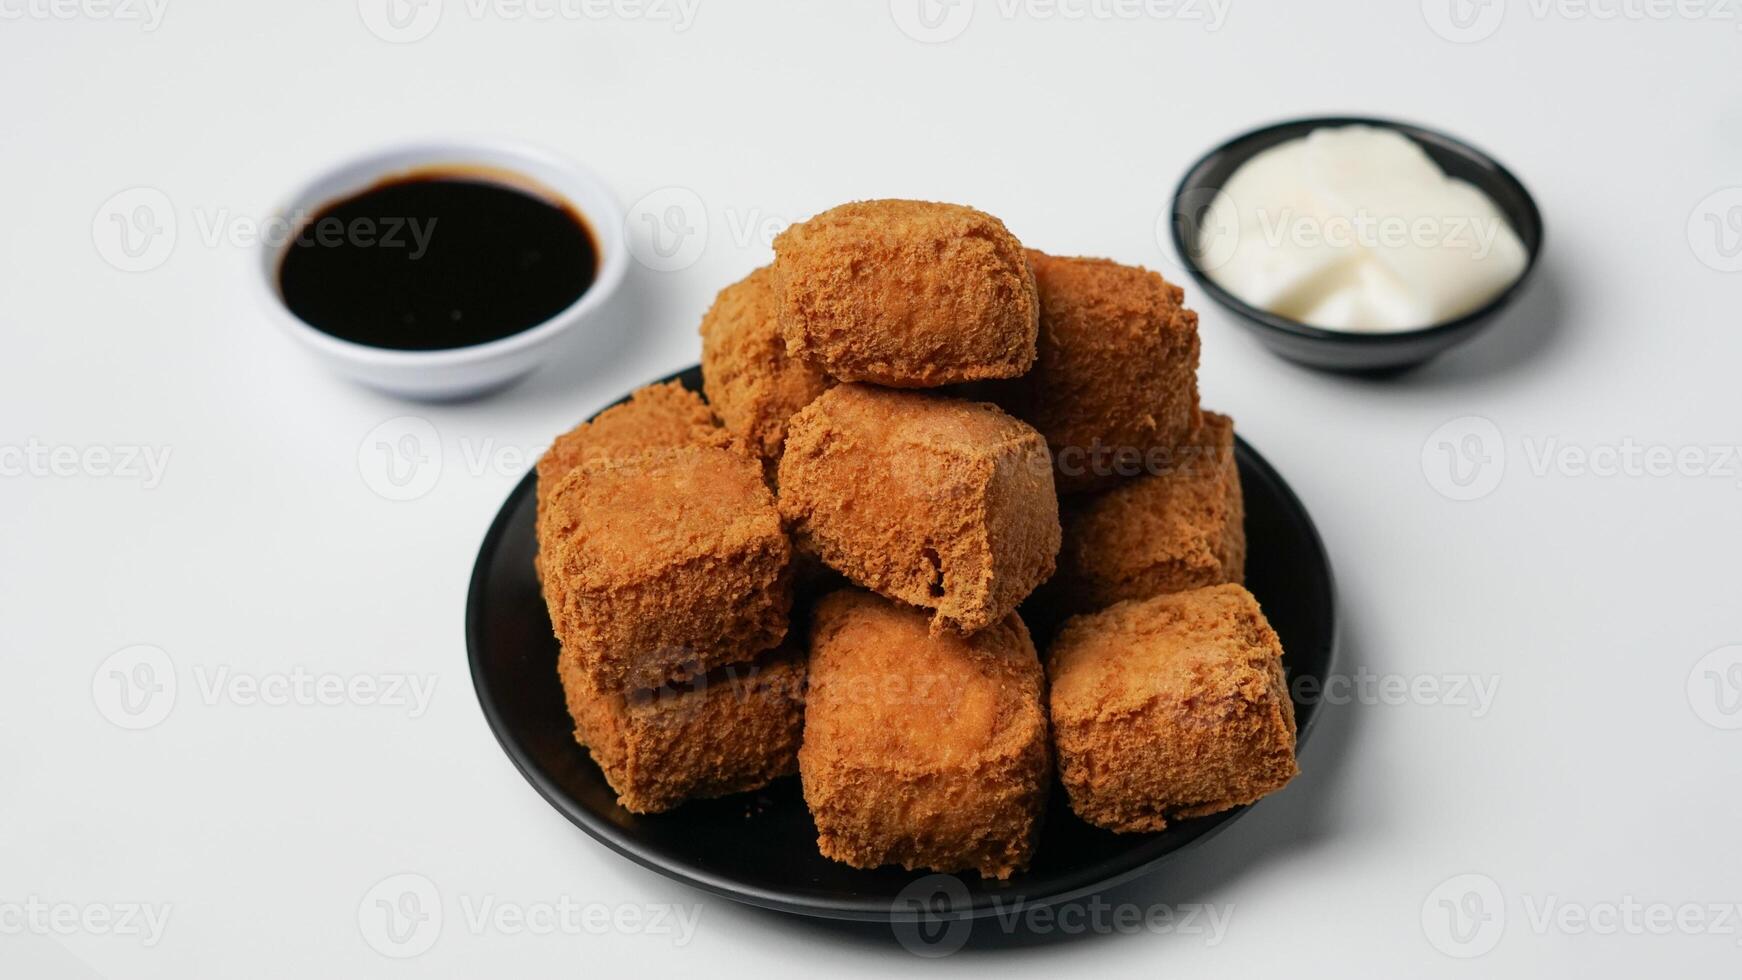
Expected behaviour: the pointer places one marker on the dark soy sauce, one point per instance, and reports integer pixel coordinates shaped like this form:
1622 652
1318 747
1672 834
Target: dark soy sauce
435 261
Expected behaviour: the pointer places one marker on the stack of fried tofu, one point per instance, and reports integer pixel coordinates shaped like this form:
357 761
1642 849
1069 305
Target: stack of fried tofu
917 434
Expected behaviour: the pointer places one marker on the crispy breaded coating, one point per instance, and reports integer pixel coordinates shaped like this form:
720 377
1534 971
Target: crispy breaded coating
666 565
731 731
922 750
1170 707
1116 375
749 377
660 416
1179 529
910 294
937 502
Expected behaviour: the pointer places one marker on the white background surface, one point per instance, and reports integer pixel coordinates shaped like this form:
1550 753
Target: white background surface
1600 774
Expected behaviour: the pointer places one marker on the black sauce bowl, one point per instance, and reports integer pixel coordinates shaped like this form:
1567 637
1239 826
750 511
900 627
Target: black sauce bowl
1341 350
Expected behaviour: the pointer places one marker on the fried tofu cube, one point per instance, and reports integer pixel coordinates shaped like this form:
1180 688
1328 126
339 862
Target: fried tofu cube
937 502
749 377
1177 529
663 416
665 566
909 294
1170 707
922 750
655 418
732 731
1116 373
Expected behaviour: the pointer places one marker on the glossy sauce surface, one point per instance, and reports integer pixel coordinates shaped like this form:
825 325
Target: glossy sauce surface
435 261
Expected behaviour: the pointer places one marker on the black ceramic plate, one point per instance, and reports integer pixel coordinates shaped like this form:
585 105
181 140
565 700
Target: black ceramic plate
761 847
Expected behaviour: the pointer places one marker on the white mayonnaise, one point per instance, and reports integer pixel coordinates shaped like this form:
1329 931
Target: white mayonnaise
1355 228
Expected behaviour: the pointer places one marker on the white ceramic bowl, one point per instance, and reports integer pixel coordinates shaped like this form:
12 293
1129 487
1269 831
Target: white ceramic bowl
457 372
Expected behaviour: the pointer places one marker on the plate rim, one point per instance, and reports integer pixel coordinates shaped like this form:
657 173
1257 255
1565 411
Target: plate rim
850 909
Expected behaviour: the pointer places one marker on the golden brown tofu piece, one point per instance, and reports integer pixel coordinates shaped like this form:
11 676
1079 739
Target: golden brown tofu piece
749 377
1170 707
922 750
665 566
662 416
1116 375
1179 529
731 731
937 502
910 294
